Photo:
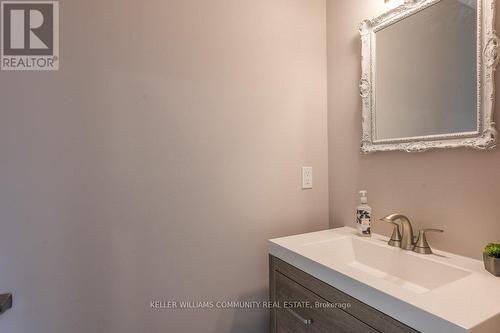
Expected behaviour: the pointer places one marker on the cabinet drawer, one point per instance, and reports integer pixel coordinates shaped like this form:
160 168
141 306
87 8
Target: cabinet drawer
279 270
307 316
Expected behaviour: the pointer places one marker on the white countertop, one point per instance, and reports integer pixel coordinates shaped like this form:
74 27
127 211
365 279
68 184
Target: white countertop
471 303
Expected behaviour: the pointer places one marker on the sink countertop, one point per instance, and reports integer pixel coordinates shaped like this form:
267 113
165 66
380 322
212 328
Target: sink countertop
468 302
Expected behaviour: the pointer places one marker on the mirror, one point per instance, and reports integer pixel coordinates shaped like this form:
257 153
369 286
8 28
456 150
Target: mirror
412 102
427 82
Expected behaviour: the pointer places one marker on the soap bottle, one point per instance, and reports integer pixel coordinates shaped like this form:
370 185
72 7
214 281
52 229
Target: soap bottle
363 216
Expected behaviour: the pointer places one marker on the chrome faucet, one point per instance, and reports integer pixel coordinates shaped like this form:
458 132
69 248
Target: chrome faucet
407 241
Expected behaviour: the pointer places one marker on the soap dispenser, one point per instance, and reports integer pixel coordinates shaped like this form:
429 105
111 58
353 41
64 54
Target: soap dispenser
363 216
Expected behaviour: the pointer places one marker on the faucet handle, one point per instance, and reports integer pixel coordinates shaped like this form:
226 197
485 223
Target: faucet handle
396 235
422 246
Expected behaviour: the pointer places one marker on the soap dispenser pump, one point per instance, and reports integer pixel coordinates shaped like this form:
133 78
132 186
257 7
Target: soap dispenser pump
363 216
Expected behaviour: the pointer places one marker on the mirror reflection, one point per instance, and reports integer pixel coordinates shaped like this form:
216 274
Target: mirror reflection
426 73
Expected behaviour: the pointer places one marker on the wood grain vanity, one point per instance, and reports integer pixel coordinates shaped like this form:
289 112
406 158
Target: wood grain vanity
335 281
310 305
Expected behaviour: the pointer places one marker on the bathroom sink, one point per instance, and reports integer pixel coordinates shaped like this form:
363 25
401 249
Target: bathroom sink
405 269
438 293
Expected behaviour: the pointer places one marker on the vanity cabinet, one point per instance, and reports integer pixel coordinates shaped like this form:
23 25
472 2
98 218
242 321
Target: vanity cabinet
308 305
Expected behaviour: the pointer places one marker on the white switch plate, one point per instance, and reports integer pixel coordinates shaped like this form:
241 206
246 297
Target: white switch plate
307 178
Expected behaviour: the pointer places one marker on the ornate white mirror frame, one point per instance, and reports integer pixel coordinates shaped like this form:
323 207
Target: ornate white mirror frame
485 138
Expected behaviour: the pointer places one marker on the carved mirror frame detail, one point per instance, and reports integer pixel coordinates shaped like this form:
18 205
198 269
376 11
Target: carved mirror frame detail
487 60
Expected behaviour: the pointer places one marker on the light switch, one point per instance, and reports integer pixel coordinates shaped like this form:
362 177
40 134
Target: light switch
307 178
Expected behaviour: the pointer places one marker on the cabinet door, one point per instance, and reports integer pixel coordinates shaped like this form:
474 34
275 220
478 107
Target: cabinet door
308 317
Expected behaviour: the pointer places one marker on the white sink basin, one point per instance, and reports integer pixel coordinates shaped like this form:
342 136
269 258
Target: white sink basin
439 293
402 268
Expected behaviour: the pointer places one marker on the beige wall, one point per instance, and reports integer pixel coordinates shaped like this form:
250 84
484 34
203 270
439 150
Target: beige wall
457 190
158 160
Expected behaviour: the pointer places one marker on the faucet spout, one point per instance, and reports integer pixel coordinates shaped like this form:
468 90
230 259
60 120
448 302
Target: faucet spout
407 238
